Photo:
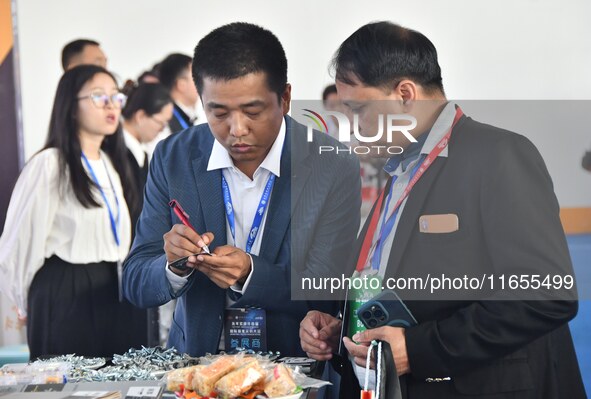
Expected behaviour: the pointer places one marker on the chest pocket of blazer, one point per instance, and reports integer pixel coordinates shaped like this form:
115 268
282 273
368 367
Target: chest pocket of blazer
509 374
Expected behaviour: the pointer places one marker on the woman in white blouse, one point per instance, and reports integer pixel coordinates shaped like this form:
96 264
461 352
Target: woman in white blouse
68 229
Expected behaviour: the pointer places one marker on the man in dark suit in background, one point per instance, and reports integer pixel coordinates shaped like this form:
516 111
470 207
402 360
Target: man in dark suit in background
83 52
175 74
483 205
222 173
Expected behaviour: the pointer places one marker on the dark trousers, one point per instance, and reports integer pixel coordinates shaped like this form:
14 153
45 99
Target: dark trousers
76 309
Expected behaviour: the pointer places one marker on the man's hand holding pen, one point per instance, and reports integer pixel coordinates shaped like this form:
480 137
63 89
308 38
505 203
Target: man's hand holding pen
226 266
182 241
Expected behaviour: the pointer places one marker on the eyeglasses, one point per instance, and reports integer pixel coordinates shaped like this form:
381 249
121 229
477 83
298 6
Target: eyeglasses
101 100
160 123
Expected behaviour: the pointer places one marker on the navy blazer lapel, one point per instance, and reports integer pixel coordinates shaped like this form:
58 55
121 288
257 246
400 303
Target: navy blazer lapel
209 189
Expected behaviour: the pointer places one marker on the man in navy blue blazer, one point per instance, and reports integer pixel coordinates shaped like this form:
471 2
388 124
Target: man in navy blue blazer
268 205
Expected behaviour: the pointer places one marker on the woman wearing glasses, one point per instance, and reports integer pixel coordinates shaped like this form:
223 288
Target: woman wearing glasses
68 227
146 113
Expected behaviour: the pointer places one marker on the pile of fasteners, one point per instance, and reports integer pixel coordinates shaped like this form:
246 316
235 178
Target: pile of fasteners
135 365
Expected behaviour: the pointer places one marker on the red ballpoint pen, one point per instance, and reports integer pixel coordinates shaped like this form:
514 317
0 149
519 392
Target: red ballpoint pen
184 217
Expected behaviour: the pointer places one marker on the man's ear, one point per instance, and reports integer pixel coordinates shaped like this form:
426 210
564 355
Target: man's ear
407 90
139 117
178 85
286 99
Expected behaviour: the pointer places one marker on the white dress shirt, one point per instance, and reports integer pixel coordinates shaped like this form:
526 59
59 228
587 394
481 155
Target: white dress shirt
246 195
46 219
135 147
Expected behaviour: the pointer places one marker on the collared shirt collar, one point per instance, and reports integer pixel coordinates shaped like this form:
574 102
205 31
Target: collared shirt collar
220 159
135 147
191 112
426 142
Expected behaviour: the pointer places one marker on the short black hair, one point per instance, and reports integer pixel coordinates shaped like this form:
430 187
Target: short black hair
381 54
238 49
172 68
328 90
73 49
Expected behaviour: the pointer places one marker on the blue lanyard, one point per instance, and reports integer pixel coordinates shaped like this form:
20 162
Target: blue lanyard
114 223
258 217
180 118
388 225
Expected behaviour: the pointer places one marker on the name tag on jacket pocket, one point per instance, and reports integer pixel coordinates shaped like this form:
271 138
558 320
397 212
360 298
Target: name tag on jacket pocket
437 224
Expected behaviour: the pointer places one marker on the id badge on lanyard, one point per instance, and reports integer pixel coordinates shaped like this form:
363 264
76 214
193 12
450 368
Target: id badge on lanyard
245 328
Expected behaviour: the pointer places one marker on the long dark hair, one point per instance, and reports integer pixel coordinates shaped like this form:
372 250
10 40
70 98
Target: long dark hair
63 136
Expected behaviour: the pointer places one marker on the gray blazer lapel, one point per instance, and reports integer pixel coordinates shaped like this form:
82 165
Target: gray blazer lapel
286 191
300 169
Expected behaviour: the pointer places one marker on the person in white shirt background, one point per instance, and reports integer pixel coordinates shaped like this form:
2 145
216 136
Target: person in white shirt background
146 113
68 226
174 72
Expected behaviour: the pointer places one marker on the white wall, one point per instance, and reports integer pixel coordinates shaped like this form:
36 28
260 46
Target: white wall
507 49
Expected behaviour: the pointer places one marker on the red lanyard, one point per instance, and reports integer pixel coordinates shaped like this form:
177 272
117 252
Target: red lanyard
365 248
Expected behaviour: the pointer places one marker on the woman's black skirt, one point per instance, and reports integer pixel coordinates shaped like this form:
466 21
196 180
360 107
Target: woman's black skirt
75 309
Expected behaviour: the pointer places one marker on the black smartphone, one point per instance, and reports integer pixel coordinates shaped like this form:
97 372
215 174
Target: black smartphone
181 263
386 309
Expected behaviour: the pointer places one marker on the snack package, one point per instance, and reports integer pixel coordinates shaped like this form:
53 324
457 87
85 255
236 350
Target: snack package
280 382
15 373
49 373
241 380
204 379
178 377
